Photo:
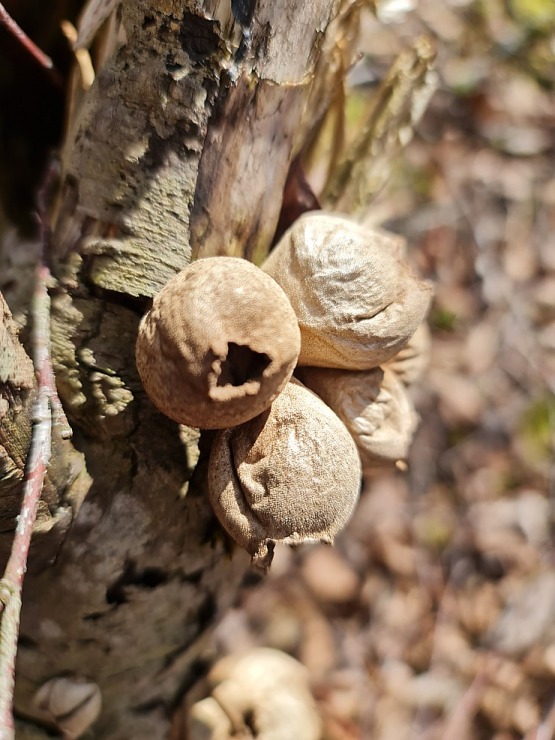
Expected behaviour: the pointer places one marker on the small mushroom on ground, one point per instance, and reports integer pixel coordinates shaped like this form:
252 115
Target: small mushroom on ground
262 694
73 704
373 405
290 475
356 299
219 343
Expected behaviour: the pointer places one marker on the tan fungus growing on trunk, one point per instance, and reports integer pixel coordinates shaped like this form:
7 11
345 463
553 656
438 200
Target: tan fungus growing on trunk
290 475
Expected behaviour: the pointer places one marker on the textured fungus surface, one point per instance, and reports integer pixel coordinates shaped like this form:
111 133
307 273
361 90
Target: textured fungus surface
219 343
291 474
357 302
373 405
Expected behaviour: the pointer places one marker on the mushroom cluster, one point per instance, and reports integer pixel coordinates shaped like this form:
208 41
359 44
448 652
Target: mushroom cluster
218 349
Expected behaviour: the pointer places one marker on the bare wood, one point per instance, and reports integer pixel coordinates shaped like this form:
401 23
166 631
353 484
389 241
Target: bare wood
239 192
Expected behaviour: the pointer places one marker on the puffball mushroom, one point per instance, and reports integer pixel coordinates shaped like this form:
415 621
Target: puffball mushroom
373 405
219 343
290 475
356 299
262 693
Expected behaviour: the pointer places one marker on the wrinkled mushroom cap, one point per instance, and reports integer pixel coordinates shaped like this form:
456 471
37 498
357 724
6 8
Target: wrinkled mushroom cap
219 343
373 405
290 475
263 691
357 301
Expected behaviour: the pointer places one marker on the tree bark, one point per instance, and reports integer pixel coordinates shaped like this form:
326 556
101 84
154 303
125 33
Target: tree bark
181 146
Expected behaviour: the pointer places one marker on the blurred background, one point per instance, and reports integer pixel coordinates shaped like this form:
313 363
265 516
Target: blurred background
434 617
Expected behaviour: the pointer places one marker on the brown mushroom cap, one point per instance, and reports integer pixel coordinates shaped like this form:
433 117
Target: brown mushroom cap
357 301
373 405
290 475
219 343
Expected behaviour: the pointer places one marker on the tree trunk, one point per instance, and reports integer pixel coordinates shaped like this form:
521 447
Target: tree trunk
181 146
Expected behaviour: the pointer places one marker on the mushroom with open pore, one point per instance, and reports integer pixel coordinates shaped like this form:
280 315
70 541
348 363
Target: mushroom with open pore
356 299
219 343
290 475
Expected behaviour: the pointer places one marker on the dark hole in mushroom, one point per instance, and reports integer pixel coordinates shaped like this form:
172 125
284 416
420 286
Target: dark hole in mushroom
249 720
241 365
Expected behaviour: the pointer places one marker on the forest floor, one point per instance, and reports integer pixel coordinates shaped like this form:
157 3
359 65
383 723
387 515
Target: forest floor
434 617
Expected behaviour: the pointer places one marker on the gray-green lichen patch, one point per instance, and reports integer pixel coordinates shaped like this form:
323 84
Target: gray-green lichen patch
131 159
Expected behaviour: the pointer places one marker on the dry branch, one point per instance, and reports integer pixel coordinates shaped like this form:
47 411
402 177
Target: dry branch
37 54
12 582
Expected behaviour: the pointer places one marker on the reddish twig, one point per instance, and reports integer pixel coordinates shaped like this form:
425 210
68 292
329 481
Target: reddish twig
7 21
39 454
47 405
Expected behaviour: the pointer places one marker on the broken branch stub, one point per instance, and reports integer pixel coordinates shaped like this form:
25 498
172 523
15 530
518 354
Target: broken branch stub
219 343
290 475
357 301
